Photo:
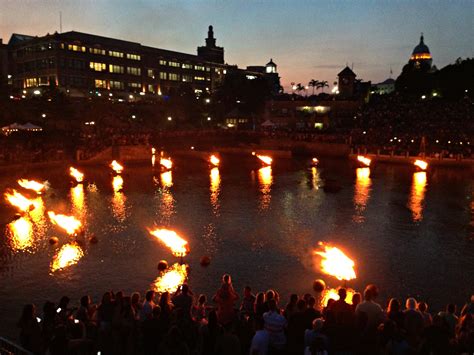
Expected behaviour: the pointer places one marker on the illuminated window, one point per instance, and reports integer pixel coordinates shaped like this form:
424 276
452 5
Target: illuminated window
199 78
134 71
62 46
43 81
187 66
173 77
174 64
30 82
162 62
116 69
98 66
133 56
97 51
151 88
134 85
208 69
100 84
187 78
163 75
76 48
150 73
199 67
116 54
117 85
270 69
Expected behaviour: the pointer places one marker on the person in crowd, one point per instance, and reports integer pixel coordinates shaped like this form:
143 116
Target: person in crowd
260 340
228 343
450 317
30 329
356 299
275 325
423 309
465 334
183 299
166 307
50 320
148 305
173 343
105 312
297 324
208 335
259 306
413 322
436 338
153 331
370 308
290 308
64 312
269 295
246 308
341 309
137 306
316 332
86 311
394 313
225 298
200 310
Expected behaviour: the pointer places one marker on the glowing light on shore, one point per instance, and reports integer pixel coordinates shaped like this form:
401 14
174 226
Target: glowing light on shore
76 174
214 160
117 183
265 159
331 293
36 186
171 278
68 255
335 263
364 160
69 223
116 167
421 164
417 195
21 233
166 163
21 202
178 246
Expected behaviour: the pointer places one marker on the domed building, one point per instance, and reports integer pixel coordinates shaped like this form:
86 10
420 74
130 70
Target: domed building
421 55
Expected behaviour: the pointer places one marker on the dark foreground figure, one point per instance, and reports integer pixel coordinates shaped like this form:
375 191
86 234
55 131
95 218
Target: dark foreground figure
182 324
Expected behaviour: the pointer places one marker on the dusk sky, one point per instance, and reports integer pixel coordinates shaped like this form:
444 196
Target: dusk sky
306 39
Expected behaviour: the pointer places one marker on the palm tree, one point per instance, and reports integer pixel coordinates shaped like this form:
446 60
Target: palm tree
300 87
323 84
314 84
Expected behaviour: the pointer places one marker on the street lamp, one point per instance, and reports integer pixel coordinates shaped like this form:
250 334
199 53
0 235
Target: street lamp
208 100
208 118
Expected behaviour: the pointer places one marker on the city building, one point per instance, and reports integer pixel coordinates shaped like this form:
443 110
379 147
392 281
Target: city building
385 87
421 56
351 88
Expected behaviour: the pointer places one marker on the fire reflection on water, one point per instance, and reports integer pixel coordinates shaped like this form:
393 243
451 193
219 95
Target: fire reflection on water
21 233
265 179
417 195
215 189
118 199
68 255
361 192
166 208
78 202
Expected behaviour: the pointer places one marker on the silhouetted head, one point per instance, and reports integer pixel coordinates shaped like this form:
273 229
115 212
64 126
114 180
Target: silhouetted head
410 303
185 289
260 298
451 308
202 299
356 298
135 298
371 292
342 292
149 295
301 305
247 291
106 298
272 305
270 295
156 312
422 306
318 323
293 298
393 305
85 301
226 279
64 302
311 302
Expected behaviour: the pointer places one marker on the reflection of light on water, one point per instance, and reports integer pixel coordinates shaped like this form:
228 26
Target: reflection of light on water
77 201
265 180
171 278
362 189
332 294
21 233
166 179
153 160
167 200
314 178
417 195
118 199
68 255
215 189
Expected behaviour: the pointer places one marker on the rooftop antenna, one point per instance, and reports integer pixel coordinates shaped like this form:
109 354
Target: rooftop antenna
391 72
60 22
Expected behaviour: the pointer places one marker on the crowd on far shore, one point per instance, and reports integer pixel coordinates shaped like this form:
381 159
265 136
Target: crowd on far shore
181 323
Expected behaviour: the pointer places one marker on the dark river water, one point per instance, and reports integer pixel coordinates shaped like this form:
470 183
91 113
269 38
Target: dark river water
411 234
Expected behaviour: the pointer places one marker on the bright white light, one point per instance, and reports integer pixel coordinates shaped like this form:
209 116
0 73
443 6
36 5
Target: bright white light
435 94
43 115
110 94
133 116
99 94
437 141
37 92
423 97
9 76
364 132
24 91
208 100
169 118
142 93
208 118
130 97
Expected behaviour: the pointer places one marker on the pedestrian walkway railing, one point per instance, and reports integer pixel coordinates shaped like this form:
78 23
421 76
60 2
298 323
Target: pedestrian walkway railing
7 347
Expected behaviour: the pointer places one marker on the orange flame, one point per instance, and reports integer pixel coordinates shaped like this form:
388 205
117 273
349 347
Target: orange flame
76 174
18 200
166 163
421 164
36 186
335 263
332 294
116 167
265 159
171 279
117 183
177 245
68 255
364 160
214 160
70 224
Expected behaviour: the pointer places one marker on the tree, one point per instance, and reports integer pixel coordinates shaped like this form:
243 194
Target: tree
322 84
314 84
300 88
